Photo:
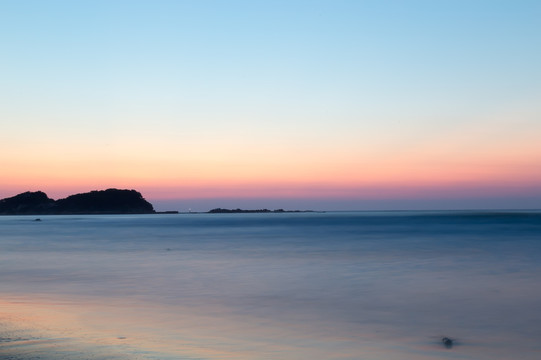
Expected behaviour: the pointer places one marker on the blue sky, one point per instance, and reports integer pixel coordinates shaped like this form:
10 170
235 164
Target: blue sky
135 89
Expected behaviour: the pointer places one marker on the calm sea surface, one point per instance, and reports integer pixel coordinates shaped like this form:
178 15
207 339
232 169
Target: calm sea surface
351 285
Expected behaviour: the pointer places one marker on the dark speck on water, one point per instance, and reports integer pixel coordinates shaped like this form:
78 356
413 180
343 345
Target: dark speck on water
448 343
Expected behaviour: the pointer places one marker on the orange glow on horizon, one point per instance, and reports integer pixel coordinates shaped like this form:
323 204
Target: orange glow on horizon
458 163
382 190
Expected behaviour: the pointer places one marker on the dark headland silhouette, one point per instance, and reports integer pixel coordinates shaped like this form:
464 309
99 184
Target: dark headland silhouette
110 201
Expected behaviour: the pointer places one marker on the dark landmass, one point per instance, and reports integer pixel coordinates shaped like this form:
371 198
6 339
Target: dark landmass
27 203
236 211
110 201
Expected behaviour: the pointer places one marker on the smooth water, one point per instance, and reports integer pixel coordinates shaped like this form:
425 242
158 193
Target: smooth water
352 285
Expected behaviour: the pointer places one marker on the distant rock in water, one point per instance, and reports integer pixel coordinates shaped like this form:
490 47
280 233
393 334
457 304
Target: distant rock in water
227 211
110 201
448 343
242 211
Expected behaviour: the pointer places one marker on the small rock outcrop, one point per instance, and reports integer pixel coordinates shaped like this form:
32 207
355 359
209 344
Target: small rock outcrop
242 211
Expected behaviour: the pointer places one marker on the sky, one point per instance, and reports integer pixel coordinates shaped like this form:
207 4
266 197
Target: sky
327 105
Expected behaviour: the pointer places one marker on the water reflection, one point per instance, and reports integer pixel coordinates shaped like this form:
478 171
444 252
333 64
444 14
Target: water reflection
287 286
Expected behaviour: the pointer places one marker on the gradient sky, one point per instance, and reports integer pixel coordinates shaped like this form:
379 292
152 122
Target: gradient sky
295 104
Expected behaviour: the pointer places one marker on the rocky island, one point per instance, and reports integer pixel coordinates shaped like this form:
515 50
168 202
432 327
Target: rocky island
110 201
243 211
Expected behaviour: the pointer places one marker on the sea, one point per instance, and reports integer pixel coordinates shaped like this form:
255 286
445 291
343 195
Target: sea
286 286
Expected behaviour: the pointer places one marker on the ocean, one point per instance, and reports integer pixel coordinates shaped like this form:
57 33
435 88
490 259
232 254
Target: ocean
319 286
